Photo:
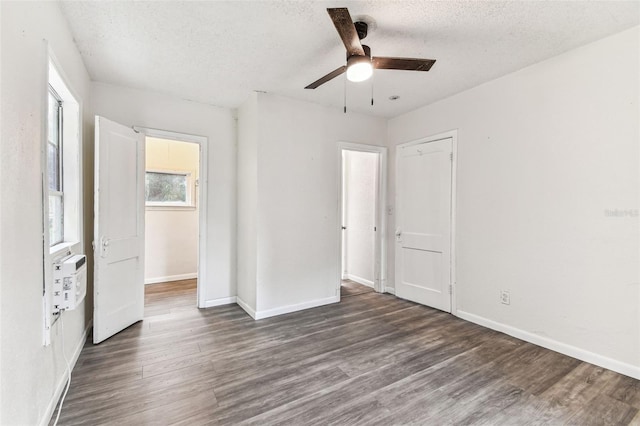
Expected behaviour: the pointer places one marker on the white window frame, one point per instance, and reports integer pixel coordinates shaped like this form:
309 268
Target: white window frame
70 158
191 183
60 146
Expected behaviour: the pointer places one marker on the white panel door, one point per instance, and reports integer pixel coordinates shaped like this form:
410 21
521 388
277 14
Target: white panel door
423 233
119 229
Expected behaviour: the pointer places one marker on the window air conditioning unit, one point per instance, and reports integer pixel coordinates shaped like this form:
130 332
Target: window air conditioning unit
69 282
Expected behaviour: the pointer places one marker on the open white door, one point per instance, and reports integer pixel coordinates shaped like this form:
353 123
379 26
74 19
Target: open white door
423 234
119 229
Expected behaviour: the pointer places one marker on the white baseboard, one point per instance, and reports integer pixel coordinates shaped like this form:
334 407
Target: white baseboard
360 280
563 348
244 305
390 290
171 278
218 302
294 308
53 402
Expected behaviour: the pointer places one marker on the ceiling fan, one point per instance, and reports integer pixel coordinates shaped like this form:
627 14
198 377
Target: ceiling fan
360 63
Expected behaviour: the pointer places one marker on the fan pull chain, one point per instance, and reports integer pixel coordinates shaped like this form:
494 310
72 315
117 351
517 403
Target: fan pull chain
345 93
372 75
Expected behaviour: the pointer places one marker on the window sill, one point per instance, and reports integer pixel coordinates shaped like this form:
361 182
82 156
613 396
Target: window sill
177 208
56 250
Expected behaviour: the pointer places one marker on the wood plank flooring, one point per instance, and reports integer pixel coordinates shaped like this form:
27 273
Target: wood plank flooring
371 359
352 288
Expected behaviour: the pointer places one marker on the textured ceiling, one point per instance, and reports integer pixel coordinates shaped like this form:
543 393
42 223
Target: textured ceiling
217 52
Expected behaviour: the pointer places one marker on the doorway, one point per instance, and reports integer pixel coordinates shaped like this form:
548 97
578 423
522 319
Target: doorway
362 254
172 173
119 222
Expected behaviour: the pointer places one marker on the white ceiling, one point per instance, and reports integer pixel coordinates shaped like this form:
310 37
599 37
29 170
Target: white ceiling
217 52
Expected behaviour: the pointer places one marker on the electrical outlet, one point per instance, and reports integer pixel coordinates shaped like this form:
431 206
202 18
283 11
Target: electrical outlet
505 297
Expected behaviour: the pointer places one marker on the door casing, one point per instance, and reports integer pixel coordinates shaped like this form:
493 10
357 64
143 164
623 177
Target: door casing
380 251
202 199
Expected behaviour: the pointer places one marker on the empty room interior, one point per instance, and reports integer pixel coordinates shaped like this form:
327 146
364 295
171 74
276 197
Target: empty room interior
320 212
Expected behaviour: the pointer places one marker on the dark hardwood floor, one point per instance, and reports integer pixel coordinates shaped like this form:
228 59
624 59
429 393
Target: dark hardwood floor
372 359
352 288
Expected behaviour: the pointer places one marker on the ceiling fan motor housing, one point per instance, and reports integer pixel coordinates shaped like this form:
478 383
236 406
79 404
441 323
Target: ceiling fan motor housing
361 29
367 52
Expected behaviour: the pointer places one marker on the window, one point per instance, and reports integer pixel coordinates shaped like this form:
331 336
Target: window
168 189
54 172
62 168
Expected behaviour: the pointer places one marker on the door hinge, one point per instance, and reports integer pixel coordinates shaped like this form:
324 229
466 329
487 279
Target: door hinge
451 156
450 289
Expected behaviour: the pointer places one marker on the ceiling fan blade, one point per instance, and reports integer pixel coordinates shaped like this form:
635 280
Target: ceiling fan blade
333 74
406 64
342 20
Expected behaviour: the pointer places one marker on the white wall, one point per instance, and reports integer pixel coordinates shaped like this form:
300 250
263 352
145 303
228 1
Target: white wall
361 170
171 233
297 224
543 154
146 109
31 374
247 202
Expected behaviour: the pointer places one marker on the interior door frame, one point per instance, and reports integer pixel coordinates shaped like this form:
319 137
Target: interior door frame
453 135
380 251
201 196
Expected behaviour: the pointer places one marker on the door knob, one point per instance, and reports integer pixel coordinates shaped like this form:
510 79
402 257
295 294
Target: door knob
398 234
104 246
344 227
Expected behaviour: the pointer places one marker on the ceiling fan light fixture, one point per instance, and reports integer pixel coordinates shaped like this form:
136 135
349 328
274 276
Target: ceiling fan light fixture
359 68
360 63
